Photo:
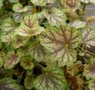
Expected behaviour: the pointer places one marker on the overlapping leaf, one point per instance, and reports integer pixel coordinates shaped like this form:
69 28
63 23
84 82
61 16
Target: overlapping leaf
52 79
89 69
88 37
38 51
26 62
29 27
61 44
88 1
1 58
19 41
1 3
28 82
71 4
39 3
8 25
55 16
19 8
91 84
9 84
11 60
78 24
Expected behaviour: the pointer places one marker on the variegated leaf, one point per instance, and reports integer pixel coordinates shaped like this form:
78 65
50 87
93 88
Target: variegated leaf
31 21
88 1
19 8
18 17
11 60
61 44
88 37
89 69
28 82
25 31
38 3
19 41
8 25
9 84
7 38
91 84
26 62
29 26
55 16
38 51
52 79
78 24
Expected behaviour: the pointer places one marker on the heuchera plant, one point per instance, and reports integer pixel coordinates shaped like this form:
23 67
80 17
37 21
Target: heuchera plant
47 45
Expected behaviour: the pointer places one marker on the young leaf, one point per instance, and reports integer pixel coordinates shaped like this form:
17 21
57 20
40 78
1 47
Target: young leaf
11 60
52 79
61 44
55 16
9 84
26 62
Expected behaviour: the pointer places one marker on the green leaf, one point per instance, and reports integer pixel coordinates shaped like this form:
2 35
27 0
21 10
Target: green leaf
1 3
26 62
14 1
11 60
9 84
88 37
2 54
28 82
52 79
61 44
55 16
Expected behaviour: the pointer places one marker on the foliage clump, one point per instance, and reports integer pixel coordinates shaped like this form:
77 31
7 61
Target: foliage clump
47 45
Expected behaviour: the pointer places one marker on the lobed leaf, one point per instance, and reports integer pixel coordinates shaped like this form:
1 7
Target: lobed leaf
11 60
61 44
52 79
9 84
88 37
55 17
26 62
